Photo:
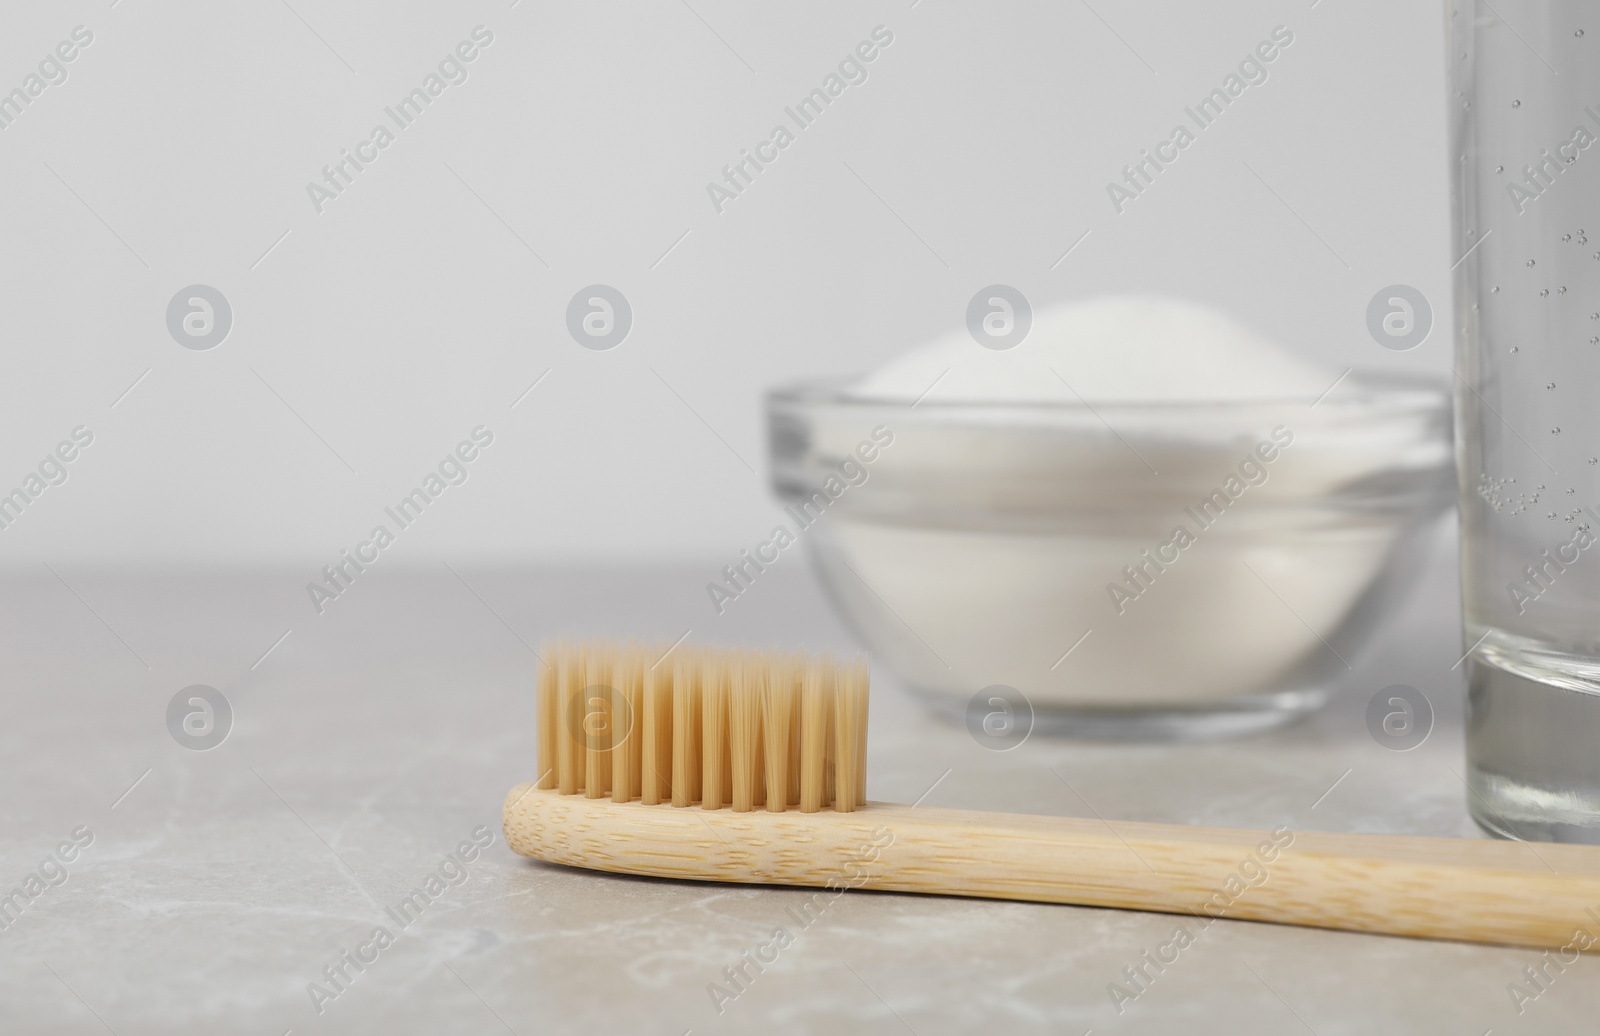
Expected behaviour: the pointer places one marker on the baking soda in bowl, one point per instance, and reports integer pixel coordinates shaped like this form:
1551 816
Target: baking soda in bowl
1137 517
1124 349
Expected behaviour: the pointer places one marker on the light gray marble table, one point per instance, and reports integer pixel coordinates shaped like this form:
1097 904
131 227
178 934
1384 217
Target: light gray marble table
375 738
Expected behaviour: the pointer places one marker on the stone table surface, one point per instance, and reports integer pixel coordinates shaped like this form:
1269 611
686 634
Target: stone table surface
368 742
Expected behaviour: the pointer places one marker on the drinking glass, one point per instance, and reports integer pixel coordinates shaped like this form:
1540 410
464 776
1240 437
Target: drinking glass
1524 109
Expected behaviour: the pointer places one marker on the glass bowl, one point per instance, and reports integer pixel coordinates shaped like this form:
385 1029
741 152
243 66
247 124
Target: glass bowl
1122 570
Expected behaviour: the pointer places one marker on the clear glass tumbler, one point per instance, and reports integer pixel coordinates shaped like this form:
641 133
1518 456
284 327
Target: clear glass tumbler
1524 120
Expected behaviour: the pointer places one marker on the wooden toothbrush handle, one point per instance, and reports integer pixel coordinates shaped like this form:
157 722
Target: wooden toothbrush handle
1517 893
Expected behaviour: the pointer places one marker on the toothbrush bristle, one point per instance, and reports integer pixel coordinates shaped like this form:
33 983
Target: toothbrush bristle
701 726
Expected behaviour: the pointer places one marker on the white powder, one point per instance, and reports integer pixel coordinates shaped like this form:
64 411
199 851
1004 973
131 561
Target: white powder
1056 512
1136 349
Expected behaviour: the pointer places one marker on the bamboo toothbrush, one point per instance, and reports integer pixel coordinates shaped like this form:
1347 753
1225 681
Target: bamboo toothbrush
750 767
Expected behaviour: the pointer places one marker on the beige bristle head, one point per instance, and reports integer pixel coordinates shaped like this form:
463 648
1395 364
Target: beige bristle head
708 727
684 747
654 724
596 722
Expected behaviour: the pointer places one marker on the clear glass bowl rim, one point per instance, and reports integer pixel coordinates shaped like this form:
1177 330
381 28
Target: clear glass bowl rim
1394 393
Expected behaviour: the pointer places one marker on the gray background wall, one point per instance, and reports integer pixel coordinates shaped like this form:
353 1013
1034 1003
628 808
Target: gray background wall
369 338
